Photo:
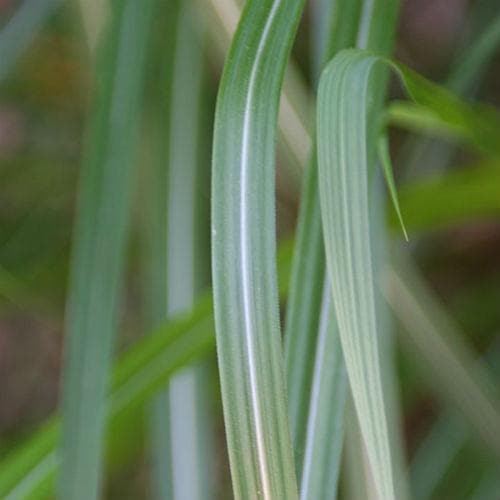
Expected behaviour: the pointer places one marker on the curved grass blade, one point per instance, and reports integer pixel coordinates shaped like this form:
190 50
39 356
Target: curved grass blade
438 109
472 59
305 302
343 150
243 252
307 298
99 247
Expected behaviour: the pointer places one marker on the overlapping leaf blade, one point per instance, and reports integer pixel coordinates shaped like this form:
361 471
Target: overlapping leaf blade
243 252
343 149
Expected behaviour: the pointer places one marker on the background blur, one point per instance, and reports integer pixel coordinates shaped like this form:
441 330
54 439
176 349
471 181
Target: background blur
45 81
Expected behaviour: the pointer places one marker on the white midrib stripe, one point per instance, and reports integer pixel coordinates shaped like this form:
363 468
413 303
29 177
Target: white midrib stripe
244 248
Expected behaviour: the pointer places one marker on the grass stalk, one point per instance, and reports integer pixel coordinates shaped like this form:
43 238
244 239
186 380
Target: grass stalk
99 247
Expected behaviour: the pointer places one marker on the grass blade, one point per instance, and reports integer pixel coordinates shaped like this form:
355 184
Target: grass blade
305 302
336 25
424 155
343 151
155 239
189 413
385 160
307 299
99 248
344 191
438 109
302 313
325 421
243 252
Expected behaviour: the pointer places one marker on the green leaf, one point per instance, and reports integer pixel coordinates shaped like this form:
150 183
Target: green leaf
308 299
303 311
180 423
385 160
244 255
326 407
438 109
336 27
99 247
344 146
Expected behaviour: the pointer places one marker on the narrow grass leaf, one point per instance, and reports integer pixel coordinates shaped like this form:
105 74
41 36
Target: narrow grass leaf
325 418
243 253
303 311
336 24
385 161
307 299
99 246
438 109
423 155
189 427
343 151
155 226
